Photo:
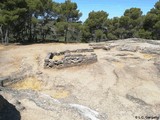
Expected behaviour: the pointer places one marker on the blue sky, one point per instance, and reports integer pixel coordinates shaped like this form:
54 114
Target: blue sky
115 8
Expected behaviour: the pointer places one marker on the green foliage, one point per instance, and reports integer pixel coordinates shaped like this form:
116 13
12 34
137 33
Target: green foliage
69 11
43 20
111 36
133 13
143 34
86 35
96 25
99 35
10 14
96 20
131 22
150 20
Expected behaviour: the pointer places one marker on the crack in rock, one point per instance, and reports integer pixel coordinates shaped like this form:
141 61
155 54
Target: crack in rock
86 111
48 103
136 100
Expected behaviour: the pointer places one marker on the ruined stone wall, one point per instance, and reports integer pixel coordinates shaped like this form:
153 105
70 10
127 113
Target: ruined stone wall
70 58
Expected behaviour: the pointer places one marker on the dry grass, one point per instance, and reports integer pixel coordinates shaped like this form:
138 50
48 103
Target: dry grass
34 84
148 56
28 83
57 94
60 57
1 47
60 94
118 64
8 47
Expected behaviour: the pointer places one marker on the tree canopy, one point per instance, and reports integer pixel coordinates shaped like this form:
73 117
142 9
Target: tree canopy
45 20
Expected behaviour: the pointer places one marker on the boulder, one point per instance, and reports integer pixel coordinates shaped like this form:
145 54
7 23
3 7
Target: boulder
106 48
128 48
49 56
3 80
151 50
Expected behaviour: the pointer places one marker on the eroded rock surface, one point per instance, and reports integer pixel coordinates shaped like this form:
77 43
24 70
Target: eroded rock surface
122 84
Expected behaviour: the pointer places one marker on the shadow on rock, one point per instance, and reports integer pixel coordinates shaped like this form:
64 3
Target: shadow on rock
8 111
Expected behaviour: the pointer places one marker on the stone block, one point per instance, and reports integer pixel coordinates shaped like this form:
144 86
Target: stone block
70 59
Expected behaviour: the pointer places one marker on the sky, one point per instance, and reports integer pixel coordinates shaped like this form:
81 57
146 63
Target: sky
115 8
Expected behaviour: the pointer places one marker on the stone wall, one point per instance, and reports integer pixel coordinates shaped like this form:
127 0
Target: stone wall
70 58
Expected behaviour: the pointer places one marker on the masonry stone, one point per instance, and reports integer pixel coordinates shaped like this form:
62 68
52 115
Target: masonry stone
70 58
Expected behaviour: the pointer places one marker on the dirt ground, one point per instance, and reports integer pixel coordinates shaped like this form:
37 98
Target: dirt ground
121 85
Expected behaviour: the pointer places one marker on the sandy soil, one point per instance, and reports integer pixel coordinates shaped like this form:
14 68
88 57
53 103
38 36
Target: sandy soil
119 86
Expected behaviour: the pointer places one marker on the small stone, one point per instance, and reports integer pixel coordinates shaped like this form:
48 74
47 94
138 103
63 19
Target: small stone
106 48
39 73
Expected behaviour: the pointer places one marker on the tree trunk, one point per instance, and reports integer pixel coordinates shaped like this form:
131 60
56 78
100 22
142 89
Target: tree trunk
1 33
43 35
66 32
30 32
30 28
6 40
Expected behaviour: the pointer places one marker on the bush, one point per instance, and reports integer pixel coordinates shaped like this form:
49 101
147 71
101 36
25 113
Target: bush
110 36
144 34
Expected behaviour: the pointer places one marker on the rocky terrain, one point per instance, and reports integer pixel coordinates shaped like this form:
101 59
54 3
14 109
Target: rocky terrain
124 83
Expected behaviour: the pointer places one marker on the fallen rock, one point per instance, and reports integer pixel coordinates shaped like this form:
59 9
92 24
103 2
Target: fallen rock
128 48
106 48
39 72
97 45
49 56
151 50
